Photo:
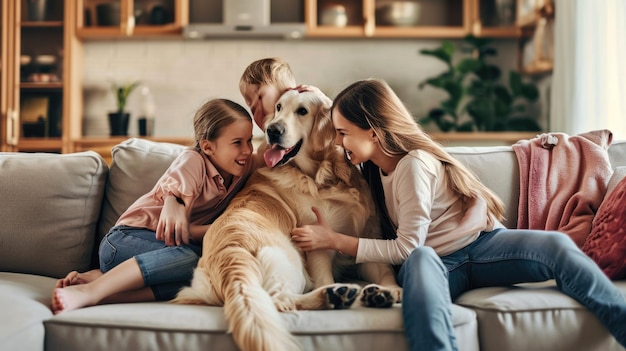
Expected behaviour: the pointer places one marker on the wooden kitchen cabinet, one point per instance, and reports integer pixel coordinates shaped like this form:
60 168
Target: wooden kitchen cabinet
437 19
107 19
41 100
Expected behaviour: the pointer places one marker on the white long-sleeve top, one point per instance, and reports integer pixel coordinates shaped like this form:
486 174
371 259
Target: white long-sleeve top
421 204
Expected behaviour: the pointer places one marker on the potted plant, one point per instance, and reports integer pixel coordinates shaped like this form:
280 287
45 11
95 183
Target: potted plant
476 100
118 120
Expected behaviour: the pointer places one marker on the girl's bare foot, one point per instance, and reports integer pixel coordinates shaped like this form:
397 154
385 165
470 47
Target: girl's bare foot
75 278
71 298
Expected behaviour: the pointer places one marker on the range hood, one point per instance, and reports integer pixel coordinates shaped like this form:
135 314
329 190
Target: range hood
245 19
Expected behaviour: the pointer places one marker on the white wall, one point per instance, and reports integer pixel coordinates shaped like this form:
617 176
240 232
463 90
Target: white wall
183 74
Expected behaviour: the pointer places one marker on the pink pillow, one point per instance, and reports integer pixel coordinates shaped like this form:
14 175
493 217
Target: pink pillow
606 244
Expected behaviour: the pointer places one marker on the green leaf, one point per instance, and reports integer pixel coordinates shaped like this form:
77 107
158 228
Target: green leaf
436 114
467 65
489 73
523 124
501 109
483 112
466 127
502 94
438 82
455 90
444 52
515 82
530 92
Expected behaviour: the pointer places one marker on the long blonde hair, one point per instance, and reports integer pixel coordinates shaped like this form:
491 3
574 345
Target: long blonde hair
211 118
371 103
268 71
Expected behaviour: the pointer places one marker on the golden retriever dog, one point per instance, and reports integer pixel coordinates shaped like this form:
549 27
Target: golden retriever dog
249 264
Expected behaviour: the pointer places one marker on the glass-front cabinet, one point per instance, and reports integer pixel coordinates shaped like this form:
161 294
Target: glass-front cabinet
131 18
4 63
32 91
36 75
410 18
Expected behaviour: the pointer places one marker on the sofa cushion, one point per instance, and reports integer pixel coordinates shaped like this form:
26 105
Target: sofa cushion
606 244
136 166
25 304
51 205
536 317
164 326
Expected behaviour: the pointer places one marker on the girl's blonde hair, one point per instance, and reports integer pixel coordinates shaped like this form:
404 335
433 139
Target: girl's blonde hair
371 103
268 71
213 116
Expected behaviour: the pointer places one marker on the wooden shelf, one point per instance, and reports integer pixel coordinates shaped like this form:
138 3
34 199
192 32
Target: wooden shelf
481 138
42 24
103 145
40 144
50 85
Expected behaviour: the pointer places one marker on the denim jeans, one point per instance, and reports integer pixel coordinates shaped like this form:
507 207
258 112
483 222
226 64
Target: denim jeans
501 258
165 269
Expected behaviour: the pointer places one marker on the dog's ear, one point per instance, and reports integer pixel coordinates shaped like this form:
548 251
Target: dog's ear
323 132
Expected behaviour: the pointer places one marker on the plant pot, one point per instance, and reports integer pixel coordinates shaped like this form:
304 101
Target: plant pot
118 123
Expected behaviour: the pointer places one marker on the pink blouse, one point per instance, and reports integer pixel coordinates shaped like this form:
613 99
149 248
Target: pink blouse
193 178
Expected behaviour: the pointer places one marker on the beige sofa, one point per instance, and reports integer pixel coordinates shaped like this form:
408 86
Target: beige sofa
55 208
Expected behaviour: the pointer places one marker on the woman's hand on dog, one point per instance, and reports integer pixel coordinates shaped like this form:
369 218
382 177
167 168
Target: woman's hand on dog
319 236
316 236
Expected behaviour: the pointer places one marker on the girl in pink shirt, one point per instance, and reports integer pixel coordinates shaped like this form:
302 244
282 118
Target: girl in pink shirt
155 245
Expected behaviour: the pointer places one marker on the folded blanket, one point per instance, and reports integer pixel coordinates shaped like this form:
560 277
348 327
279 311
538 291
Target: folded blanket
563 180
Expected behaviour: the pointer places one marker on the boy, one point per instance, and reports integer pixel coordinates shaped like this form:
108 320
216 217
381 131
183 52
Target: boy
263 82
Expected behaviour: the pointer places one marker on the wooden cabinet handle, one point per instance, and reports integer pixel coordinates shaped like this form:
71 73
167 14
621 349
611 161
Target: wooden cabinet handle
130 26
12 128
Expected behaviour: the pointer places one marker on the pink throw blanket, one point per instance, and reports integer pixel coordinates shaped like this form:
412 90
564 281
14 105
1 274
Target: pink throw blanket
563 180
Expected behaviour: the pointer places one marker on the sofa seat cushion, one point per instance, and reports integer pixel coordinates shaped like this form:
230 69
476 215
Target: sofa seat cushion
50 209
164 326
25 304
536 317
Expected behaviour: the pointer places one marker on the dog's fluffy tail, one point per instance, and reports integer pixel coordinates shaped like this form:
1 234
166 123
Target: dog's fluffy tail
254 321
200 292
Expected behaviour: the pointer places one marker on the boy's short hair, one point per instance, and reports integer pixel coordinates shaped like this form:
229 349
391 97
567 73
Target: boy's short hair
268 71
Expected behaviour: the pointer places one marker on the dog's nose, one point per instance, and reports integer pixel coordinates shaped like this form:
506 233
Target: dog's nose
275 132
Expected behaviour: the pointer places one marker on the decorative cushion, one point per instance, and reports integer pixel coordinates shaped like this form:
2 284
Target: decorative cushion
606 244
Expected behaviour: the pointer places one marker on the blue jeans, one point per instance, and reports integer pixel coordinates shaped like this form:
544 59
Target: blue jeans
165 269
501 258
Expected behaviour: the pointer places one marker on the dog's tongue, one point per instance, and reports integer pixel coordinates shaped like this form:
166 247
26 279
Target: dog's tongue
273 155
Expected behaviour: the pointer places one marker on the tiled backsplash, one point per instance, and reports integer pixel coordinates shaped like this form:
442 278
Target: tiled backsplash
183 74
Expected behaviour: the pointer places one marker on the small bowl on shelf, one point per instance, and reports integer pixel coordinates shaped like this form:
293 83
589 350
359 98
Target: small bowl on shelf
25 60
398 13
45 60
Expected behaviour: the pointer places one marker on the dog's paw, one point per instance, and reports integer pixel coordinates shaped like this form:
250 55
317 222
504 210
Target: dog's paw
379 297
341 296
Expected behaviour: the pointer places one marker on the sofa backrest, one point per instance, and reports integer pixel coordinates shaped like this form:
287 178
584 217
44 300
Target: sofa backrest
50 209
497 168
